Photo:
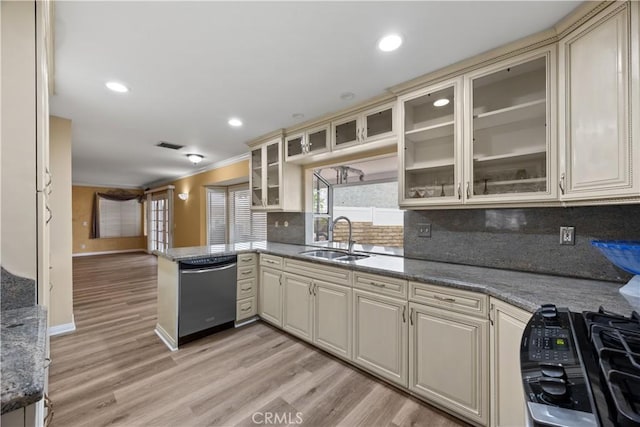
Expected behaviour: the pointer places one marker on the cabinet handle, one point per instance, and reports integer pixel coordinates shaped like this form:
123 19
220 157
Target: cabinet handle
310 286
363 134
270 261
411 317
280 280
459 190
491 308
47 362
244 273
358 134
445 299
380 285
47 186
246 289
49 407
50 215
404 310
246 309
246 259
561 183
468 193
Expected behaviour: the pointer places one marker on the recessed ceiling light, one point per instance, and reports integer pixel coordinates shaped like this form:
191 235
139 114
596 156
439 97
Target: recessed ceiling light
195 158
235 122
347 96
297 116
390 42
440 102
117 87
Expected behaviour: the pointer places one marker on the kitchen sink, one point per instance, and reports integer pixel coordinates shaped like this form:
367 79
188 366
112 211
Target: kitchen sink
334 255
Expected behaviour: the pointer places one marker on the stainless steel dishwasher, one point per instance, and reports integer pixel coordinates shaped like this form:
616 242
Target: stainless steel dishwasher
207 296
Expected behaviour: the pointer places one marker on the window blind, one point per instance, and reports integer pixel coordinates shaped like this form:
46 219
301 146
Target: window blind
120 219
244 225
216 216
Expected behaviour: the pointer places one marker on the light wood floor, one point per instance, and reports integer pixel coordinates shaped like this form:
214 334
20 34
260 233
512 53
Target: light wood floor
115 371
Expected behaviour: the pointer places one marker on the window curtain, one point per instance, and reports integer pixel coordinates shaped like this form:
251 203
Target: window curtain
117 196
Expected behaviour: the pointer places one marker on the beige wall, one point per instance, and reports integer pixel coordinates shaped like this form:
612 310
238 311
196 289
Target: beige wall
82 198
190 216
61 278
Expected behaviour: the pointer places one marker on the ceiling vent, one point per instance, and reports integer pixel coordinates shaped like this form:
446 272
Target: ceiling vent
170 146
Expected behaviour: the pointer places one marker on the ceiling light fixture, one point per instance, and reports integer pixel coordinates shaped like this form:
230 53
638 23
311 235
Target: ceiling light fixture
347 96
390 42
195 158
440 102
117 87
235 122
183 196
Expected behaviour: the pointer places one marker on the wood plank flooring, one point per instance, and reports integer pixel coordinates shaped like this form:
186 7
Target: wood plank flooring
114 370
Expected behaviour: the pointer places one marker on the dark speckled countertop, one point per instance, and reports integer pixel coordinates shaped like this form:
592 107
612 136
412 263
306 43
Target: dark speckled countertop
525 290
23 332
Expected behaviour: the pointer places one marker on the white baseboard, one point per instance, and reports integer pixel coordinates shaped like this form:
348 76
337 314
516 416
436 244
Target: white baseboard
65 328
166 339
123 251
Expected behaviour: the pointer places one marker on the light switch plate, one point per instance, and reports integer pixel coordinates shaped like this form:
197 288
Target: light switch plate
424 230
567 235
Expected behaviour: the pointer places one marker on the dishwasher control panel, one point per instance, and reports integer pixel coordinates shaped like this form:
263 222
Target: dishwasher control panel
214 261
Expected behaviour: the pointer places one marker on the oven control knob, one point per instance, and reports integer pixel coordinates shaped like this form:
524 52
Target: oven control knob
549 311
553 370
554 390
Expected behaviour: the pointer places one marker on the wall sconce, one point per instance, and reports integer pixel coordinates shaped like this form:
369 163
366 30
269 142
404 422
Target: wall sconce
183 196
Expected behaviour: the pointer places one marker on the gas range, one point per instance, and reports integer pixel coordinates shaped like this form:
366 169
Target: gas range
581 369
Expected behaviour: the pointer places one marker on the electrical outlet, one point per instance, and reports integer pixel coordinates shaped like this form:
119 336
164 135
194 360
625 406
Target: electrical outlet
424 230
567 235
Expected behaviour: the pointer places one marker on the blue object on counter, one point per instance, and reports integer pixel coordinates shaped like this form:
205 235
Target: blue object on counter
626 255
623 253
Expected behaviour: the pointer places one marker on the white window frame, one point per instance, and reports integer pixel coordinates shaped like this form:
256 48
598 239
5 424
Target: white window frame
154 195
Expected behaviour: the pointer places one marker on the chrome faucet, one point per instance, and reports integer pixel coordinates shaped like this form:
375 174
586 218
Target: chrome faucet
351 242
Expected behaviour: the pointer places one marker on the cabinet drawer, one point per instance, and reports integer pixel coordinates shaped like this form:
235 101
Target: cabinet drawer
246 259
270 261
453 299
336 275
247 288
246 308
247 272
380 284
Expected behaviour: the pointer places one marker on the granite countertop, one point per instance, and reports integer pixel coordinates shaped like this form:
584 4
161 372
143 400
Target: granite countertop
16 291
23 333
525 290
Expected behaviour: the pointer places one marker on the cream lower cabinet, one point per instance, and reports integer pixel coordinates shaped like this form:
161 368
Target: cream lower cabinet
297 317
380 335
270 306
507 395
332 318
448 360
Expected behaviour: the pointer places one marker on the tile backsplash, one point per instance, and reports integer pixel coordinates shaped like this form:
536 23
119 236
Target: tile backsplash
524 239
293 233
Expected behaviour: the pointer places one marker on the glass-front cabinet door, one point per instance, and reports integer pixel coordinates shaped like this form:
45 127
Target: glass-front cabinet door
431 145
509 131
295 145
317 140
273 174
256 178
378 123
345 132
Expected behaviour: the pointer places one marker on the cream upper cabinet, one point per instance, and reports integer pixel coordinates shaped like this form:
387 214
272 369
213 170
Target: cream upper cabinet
332 318
599 105
275 185
431 152
448 360
486 137
297 316
371 125
270 296
380 335
507 401
509 128
307 143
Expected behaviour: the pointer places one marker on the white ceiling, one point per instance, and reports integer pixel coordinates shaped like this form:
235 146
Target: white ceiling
193 65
